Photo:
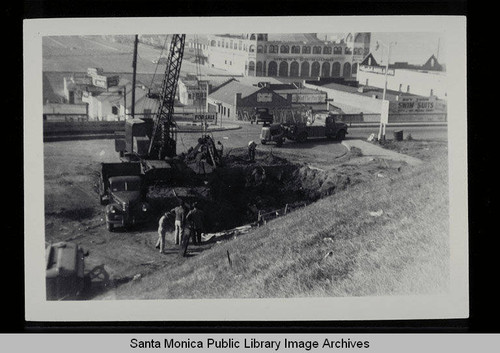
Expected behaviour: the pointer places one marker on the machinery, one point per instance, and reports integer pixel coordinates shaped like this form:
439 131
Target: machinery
149 155
321 126
121 189
64 271
262 115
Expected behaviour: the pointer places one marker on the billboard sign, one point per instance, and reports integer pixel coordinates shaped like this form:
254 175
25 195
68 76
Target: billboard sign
205 117
419 105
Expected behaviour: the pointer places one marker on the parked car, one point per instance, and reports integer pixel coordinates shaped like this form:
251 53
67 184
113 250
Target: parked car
262 115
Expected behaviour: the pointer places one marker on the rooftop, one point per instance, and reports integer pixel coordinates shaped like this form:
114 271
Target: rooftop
368 91
294 37
226 93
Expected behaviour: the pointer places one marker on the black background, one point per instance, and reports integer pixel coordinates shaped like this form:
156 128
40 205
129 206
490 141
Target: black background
483 249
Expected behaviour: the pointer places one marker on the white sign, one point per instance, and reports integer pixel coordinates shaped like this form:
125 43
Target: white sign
376 69
264 97
204 117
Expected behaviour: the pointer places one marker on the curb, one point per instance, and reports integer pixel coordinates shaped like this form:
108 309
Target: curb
104 136
365 125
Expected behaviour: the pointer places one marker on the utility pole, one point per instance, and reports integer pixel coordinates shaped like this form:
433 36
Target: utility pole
381 131
134 66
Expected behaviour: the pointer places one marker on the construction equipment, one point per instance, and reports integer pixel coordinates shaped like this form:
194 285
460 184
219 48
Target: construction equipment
65 271
321 126
154 139
122 190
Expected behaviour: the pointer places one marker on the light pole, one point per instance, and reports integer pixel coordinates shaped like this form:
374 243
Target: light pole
383 119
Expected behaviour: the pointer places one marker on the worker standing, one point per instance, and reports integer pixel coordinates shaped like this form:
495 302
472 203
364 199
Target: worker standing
251 150
194 220
180 220
162 230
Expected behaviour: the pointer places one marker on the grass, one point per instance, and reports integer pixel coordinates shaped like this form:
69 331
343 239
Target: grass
339 246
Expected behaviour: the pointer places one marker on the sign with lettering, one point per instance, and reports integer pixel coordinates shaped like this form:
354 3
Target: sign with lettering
100 81
204 117
418 105
376 70
312 59
264 97
309 98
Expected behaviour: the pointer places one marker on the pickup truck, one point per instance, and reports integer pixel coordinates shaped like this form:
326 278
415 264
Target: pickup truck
122 191
300 132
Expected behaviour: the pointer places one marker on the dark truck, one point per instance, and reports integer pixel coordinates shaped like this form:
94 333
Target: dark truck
300 132
262 115
65 277
122 190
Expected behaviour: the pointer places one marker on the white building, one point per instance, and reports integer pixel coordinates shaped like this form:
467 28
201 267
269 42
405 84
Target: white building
287 55
116 103
426 80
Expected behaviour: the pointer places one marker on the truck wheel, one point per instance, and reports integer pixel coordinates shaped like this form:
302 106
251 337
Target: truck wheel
341 135
302 137
110 226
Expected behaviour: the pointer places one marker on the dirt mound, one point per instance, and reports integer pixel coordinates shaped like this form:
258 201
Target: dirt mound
316 183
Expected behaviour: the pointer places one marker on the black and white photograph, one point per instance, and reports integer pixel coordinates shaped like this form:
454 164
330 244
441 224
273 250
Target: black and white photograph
272 168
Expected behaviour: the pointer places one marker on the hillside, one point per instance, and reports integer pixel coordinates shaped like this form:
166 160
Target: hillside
384 237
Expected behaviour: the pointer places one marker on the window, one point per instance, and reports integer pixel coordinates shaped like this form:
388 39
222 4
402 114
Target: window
252 49
317 50
348 50
306 50
285 49
408 89
260 49
327 50
337 50
228 112
224 110
114 110
295 49
273 48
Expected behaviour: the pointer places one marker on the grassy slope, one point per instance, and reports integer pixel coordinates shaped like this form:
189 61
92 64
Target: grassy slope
403 251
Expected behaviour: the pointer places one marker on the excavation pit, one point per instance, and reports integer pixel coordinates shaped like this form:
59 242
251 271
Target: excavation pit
243 192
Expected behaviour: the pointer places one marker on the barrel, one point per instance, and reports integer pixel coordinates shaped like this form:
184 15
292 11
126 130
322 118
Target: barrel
398 135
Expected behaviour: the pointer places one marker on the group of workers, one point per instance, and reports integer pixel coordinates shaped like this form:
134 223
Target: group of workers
188 225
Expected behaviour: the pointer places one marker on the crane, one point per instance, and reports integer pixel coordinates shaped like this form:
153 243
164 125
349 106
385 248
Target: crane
154 141
148 140
163 139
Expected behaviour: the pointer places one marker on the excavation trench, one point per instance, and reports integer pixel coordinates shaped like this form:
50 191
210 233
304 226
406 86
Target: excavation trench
239 192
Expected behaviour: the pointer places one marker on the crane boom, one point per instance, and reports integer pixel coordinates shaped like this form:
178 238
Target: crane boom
163 140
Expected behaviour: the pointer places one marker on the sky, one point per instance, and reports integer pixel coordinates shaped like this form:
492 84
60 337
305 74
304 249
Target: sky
414 48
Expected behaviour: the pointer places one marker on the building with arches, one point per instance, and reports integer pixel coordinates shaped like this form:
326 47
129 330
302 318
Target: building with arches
288 55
